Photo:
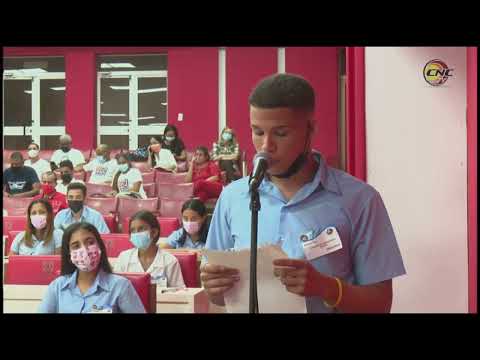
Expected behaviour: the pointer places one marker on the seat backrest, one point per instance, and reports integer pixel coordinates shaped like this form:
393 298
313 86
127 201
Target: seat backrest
148 177
87 154
11 223
145 289
189 267
150 189
97 188
102 205
32 270
111 221
171 208
129 206
175 191
11 236
167 225
46 154
142 166
16 202
116 243
167 177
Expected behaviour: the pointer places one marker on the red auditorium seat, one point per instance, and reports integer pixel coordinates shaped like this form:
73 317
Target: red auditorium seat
97 189
144 288
111 221
87 176
171 208
171 178
129 206
116 243
16 202
14 223
103 205
32 270
142 166
167 225
150 189
188 265
87 154
46 154
148 177
175 191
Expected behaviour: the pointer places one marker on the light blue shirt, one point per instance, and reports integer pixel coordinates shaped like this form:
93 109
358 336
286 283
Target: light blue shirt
65 218
39 247
369 254
173 240
109 291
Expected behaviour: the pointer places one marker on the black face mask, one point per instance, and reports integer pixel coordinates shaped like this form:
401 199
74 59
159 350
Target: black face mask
66 178
75 205
65 148
294 168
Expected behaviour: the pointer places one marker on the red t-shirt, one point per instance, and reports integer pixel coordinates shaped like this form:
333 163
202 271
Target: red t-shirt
58 201
204 173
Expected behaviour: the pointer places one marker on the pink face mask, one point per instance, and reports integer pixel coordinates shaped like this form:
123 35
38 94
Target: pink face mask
191 227
38 221
86 259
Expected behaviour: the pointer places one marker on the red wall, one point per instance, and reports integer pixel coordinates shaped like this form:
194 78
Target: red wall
472 63
244 68
193 91
319 65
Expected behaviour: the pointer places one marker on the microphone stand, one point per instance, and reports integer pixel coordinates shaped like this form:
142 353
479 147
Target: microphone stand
254 208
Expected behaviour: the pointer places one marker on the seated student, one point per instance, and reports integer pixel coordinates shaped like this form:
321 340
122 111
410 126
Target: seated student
40 237
20 180
66 171
127 181
205 175
48 192
227 153
160 158
39 165
102 167
86 284
171 141
78 212
66 152
194 232
163 267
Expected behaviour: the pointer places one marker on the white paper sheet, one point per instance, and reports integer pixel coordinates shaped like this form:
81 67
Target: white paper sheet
273 297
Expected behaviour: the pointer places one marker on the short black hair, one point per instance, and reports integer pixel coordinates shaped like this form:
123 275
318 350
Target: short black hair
66 163
283 90
171 128
149 218
16 155
67 266
77 185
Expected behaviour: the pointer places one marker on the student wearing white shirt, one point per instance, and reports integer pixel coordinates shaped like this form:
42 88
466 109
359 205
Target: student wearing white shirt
162 266
66 171
127 180
39 165
67 153
160 158
102 167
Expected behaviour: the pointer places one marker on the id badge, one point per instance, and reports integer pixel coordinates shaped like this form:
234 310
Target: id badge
325 243
160 281
101 310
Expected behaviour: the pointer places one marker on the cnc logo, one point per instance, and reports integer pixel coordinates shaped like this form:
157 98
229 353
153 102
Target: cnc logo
436 72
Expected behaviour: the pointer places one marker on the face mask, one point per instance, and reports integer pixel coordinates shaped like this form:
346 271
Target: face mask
38 221
65 148
227 136
47 189
170 138
141 240
86 259
191 227
100 159
67 178
123 168
32 153
75 205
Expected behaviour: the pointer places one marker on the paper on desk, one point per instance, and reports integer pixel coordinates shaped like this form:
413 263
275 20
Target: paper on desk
273 297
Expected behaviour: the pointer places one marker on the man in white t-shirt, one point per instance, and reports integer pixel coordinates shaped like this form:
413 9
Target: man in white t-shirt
39 165
67 153
103 169
66 172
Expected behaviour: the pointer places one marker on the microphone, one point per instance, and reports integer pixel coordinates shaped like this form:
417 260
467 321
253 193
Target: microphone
261 162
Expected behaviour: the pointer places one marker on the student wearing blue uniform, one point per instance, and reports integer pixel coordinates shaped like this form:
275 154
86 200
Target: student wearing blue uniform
40 237
194 231
78 212
305 202
87 284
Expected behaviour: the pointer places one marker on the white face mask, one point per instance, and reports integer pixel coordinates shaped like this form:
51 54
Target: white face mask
32 153
123 168
169 138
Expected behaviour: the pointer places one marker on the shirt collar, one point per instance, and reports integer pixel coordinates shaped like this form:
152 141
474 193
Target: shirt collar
100 281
